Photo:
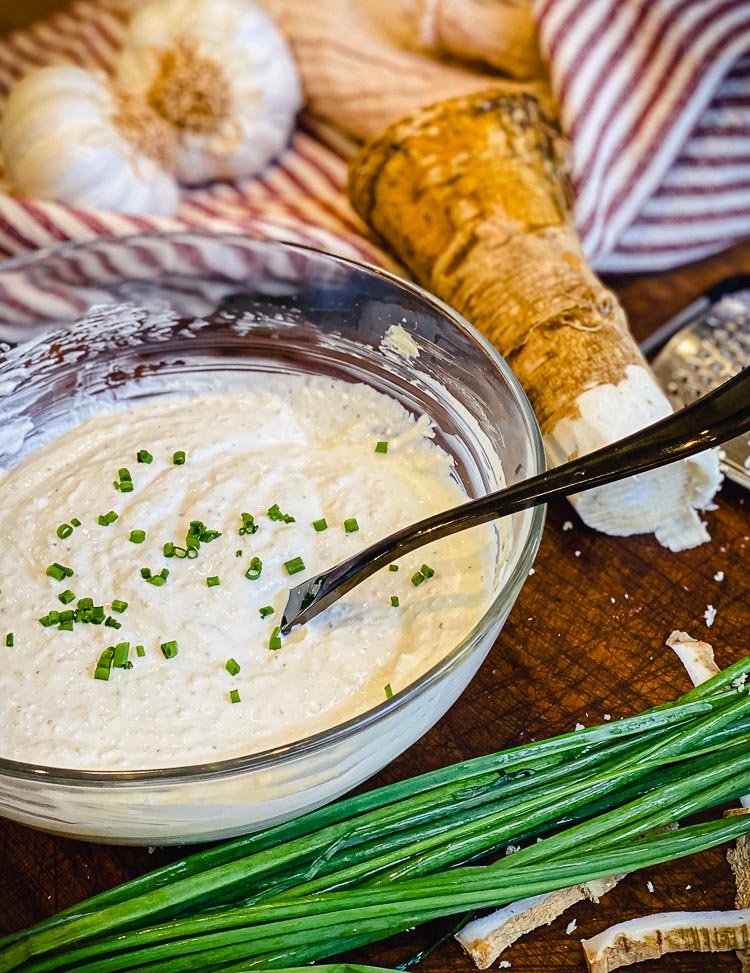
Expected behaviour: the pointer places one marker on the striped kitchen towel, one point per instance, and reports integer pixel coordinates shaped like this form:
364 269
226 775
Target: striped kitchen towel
655 97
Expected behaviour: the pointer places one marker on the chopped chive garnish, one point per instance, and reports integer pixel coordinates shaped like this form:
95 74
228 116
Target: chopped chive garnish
10 640
124 486
104 520
254 569
124 474
238 553
143 456
120 658
213 581
112 622
427 571
248 524
275 514
294 566
85 603
67 616
119 606
66 596
66 626
45 620
63 531
393 567
104 664
146 573
169 649
234 695
232 667
178 458
350 525
58 571
137 536
140 651
320 525
197 534
417 578
388 691
275 641
157 580
381 447
266 611
75 521
54 617
394 601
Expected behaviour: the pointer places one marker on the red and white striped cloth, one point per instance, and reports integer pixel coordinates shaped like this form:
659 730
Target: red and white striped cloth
655 96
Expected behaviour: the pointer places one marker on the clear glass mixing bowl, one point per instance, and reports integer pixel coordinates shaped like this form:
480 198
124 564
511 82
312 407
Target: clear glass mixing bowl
119 320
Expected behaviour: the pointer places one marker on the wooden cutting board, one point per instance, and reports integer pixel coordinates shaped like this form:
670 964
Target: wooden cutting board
585 639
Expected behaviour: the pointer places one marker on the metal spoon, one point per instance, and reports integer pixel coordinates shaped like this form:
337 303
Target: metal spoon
714 419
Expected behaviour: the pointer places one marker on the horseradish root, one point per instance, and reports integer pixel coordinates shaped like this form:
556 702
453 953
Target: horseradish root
485 939
667 932
472 195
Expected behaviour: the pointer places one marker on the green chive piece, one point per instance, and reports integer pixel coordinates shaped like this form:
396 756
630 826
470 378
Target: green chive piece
350 525
75 521
125 486
58 571
266 611
157 580
146 573
234 695
137 536
54 617
45 621
275 514
66 626
66 596
388 691
140 651
238 553
178 458
143 456
417 578
381 447
393 567
320 525
294 566
101 672
85 603
124 475
248 524
104 520
427 571
112 622
169 649
213 581
63 531
104 664
275 641
254 569
232 666
10 640
394 601
120 658
119 606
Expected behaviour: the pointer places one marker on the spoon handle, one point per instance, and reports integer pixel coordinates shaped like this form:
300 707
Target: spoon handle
709 421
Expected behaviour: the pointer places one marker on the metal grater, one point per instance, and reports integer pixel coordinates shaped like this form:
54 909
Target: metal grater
708 343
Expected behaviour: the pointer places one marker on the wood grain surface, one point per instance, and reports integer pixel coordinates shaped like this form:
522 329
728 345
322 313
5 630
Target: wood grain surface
585 638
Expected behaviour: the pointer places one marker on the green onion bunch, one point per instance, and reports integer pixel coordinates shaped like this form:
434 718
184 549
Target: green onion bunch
583 805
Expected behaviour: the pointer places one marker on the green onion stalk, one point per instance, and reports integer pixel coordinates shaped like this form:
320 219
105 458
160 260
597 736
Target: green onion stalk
585 804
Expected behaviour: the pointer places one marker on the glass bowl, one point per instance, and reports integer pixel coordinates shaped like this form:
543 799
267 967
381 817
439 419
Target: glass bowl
116 321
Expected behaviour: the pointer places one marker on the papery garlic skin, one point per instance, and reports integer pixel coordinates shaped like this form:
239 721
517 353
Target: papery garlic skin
222 74
67 135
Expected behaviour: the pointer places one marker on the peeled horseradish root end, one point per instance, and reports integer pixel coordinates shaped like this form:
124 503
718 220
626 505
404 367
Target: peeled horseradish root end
472 195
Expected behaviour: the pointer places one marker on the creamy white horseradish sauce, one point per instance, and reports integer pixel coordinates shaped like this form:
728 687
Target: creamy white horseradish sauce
307 445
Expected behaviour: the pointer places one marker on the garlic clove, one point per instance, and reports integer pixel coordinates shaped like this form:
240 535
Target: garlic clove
67 135
222 75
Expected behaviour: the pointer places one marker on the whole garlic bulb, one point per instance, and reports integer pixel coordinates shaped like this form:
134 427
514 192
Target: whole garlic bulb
67 135
222 75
